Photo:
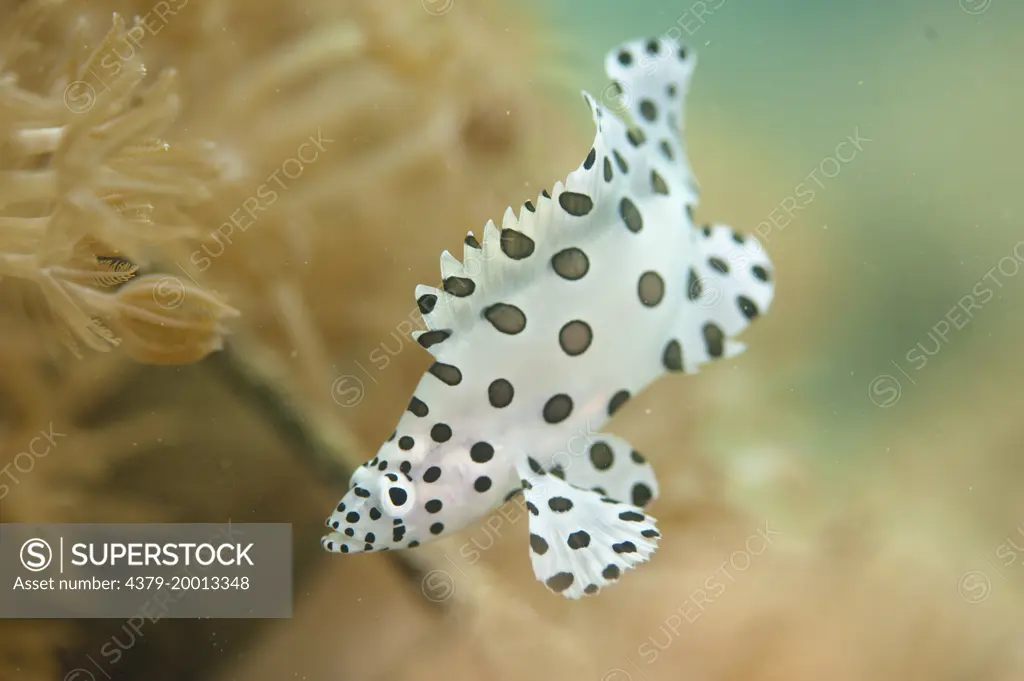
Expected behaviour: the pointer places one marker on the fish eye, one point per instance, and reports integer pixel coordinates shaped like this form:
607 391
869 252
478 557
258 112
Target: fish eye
397 496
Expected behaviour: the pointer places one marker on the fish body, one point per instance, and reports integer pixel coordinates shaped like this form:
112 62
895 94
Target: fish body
549 324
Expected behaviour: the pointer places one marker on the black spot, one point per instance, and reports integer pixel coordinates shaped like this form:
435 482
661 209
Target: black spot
631 516
432 474
544 193
538 544
558 408
621 162
641 494
738 238
607 169
481 452
406 443
396 521
430 338
390 476
624 547
482 484
368 547
531 508
500 393
383 466
413 544
393 434
650 534
666 149
637 457
426 303
360 492
344 548
650 288
512 493
529 206
446 373
601 456
437 528
618 399
559 504
759 272
719 265
648 110
558 472
631 215
405 467
600 490
516 245
671 90
575 337
591 589
506 318
341 506
672 357
418 407
471 241
349 532
398 496
706 230
747 307
330 546
570 263
459 286
334 524
561 581
682 53
636 137
694 288
352 517
591 157
441 432
689 212
714 338
653 46
398 534
575 203
433 506
625 58
370 538
658 184
374 513
611 572
534 466
578 540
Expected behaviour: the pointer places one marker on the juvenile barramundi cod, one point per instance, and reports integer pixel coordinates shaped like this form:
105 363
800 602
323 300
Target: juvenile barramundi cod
548 326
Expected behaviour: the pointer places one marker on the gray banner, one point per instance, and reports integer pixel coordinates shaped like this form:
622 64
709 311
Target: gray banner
145 571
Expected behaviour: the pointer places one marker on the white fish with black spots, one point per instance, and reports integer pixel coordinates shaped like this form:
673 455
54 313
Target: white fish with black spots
547 326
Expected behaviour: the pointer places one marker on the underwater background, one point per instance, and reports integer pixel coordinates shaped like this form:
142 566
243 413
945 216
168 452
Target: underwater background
867 444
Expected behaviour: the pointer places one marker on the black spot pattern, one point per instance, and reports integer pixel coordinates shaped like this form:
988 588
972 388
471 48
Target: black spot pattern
650 534
560 582
653 47
383 466
362 493
578 540
481 452
747 307
471 241
534 466
437 528
671 90
500 393
607 169
441 432
621 162
575 204
446 373
352 517
426 303
506 318
631 516
459 287
694 287
714 338
559 504
418 407
624 547
650 288
405 467
658 184
591 157
538 544
672 357
430 338
591 589
636 137
601 456
374 513
630 215
718 265
575 337
406 443
617 400
531 508
432 474
666 149
759 272
482 484
625 58
433 506
641 494
611 572
648 110
530 207
570 263
516 245
558 408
